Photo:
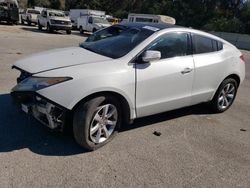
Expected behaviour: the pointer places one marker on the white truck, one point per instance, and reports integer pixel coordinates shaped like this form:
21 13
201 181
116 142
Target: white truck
150 18
91 21
54 20
30 16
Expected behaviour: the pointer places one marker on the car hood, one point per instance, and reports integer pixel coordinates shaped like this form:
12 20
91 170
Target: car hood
58 58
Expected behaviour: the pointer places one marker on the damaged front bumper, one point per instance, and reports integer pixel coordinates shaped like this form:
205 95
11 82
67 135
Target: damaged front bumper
47 112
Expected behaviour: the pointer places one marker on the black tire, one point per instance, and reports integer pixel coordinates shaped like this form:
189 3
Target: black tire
22 21
68 32
81 30
84 117
215 105
39 26
94 30
49 29
29 22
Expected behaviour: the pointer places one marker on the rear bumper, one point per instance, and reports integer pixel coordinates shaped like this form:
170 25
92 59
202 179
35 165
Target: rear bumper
61 27
47 112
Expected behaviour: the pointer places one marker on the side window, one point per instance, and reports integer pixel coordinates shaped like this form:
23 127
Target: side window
131 19
220 45
90 20
203 44
171 45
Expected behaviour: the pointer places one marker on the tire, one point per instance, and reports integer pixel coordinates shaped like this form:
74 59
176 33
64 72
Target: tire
68 32
29 22
94 30
39 26
89 116
81 30
22 21
224 96
49 28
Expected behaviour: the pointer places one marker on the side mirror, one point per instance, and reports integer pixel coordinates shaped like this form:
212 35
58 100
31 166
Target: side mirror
90 21
151 55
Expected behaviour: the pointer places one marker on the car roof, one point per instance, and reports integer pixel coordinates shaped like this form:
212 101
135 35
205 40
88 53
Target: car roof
159 26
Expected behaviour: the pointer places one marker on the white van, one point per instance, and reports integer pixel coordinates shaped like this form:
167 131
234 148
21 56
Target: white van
92 21
150 18
74 14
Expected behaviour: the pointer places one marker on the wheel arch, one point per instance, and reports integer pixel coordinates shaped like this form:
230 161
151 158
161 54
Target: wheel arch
126 108
235 76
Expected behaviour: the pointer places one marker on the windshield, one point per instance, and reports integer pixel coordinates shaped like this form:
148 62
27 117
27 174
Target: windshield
100 20
57 14
33 11
116 41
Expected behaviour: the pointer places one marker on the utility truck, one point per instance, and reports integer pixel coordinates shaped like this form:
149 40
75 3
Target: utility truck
92 21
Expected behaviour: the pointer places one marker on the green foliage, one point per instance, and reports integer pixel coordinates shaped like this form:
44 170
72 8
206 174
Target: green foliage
224 24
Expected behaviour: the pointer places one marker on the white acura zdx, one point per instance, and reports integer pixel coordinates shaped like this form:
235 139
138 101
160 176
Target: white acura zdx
125 72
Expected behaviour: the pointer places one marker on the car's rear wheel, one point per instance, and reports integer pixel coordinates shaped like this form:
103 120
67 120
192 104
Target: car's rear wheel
81 30
68 32
225 95
96 122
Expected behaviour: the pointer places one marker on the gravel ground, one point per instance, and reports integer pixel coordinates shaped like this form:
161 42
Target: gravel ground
196 148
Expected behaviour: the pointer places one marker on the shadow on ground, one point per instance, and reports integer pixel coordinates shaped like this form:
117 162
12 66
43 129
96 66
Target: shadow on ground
20 131
36 30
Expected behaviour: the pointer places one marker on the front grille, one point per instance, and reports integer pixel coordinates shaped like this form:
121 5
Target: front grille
61 22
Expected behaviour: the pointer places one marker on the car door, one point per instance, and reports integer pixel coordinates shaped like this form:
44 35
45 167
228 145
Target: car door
90 24
209 60
165 84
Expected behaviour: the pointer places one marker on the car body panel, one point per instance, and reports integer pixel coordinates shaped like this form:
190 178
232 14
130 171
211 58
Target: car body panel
58 58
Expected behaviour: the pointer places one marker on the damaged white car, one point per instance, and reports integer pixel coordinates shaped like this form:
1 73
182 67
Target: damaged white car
124 72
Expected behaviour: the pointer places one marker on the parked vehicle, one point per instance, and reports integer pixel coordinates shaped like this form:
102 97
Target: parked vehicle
75 14
9 11
150 18
54 20
92 21
114 21
30 16
124 72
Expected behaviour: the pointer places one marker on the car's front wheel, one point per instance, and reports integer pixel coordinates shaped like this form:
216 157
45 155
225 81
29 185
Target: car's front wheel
225 95
96 122
40 27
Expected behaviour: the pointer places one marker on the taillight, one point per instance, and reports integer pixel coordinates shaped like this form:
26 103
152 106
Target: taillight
242 58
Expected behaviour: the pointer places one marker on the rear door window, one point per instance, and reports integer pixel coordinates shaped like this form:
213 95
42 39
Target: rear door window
203 44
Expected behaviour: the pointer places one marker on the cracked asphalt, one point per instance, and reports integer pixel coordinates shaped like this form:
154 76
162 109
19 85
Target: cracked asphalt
196 148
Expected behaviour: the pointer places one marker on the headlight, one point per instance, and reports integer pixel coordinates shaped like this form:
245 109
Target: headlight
37 83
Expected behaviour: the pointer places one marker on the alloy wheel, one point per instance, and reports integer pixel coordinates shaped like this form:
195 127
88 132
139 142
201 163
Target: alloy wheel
103 123
226 96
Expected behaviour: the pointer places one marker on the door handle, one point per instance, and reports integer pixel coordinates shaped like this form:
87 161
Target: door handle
186 70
